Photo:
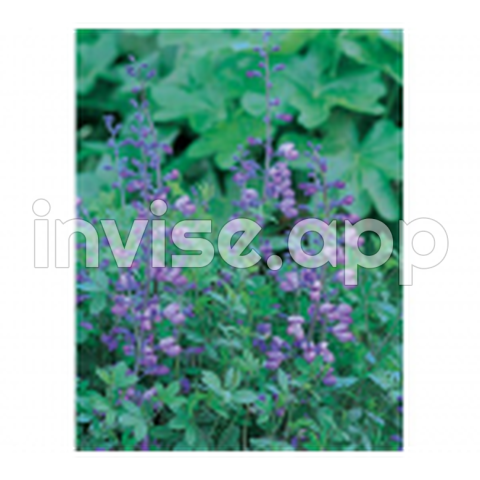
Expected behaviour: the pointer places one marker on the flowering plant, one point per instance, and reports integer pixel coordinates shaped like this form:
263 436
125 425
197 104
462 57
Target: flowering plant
221 358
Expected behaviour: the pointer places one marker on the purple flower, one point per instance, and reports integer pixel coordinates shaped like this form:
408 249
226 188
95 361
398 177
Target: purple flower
329 379
158 370
325 353
287 150
264 329
167 148
254 141
348 200
135 185
285 117
170 347
110 341
185 385
121 306
149 394
185 205
174 314
343 334
129 350
274 359
309 351
291 282
295 328
173 175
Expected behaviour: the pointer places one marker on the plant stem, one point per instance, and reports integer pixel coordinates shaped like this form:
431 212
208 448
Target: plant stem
268 122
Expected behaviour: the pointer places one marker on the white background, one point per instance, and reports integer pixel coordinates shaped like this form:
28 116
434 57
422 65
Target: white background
442 367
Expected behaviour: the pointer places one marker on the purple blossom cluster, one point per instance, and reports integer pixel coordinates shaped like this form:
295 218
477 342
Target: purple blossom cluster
143 297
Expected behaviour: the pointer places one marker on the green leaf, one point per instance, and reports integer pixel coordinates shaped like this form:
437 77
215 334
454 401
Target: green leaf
315 93
358 92
104 375
367 166
140 427
244 396
223 139
181 421
117 376
229 438
191 435
98 303
381 148
254 104
175 103
374 51
93 60
283 380
212 381
232 379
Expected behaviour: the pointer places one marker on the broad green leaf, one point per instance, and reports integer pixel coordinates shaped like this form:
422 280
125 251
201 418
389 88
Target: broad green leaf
140 427
222 140
229 438
358 92
232 379
212 381
98 303
117 376
244 396
254 103
367 166
316 93
93 60
372 50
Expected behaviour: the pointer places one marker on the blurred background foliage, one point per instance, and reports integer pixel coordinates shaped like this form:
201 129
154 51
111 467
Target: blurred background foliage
343 87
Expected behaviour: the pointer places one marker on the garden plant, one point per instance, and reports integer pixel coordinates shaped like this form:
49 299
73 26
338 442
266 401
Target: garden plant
275 127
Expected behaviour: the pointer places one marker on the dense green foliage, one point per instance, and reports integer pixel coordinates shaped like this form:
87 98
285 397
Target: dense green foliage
344 90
